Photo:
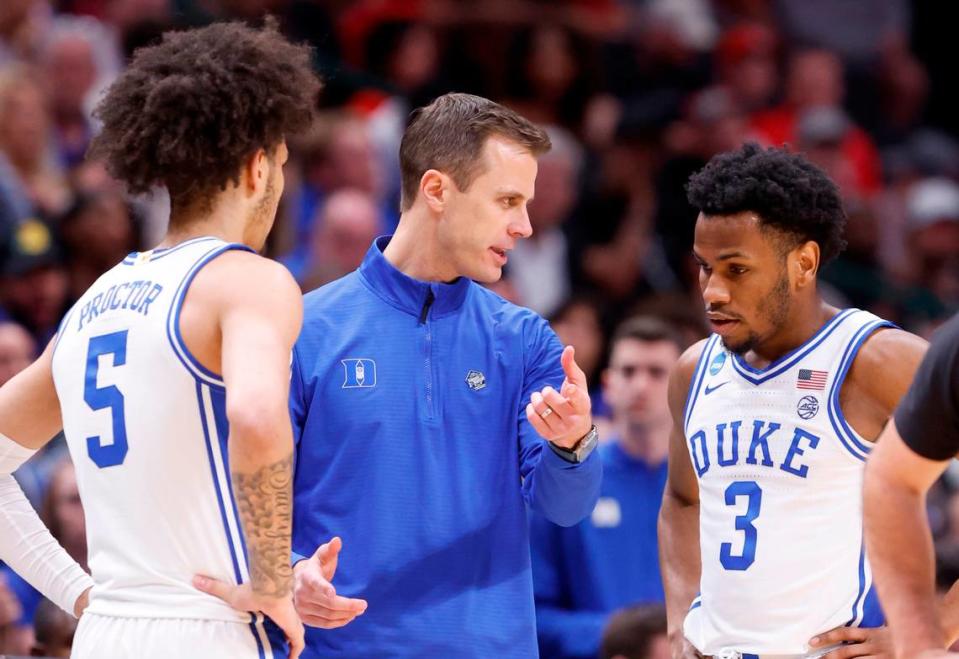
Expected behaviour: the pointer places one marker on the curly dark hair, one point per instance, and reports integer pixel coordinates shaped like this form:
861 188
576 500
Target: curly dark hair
188 111
785 190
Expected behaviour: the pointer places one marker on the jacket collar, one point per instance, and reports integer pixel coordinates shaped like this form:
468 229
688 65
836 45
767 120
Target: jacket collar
404 292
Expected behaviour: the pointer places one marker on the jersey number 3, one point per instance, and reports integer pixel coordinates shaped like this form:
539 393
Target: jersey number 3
744 523
100 398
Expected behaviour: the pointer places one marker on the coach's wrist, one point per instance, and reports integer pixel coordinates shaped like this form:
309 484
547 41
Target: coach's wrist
572 441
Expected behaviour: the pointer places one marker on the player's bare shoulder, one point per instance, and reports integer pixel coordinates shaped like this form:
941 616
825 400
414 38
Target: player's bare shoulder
879 377
241 278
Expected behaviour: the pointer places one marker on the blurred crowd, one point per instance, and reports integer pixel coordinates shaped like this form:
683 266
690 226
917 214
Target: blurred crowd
635 94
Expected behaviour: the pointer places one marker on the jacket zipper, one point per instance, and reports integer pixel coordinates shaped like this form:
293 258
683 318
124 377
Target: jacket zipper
424 320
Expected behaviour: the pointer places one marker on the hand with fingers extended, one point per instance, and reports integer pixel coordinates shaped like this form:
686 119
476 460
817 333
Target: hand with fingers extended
243 598
313 592
563 417
869 642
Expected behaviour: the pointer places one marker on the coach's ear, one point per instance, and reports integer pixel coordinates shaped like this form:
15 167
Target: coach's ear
804 264
435 188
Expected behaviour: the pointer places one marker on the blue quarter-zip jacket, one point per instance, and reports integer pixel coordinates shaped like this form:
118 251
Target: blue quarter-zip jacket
408 405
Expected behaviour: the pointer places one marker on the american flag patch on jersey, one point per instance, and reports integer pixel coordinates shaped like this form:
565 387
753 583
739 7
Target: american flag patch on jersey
809 379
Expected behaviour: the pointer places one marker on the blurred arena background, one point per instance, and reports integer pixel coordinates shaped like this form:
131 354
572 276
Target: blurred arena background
636 96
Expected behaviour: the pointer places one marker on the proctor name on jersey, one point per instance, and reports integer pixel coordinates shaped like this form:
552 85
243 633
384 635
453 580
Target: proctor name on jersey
737 442
133 296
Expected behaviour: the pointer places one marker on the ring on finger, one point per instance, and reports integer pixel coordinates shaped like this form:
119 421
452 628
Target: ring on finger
545 413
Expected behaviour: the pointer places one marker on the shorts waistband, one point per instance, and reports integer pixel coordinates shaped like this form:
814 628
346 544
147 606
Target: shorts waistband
729 653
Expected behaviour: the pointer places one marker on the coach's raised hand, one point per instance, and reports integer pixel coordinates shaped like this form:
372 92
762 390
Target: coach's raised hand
563 417
313 592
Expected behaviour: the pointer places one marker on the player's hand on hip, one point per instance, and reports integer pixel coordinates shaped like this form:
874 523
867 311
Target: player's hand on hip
313 592
563 417
872 642
681 648
242 598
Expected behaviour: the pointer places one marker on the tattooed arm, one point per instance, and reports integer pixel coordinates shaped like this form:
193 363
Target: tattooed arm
260 310
265 500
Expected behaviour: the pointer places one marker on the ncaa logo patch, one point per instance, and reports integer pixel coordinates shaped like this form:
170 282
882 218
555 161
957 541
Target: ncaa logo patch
717 364
475 380
808 407
359 373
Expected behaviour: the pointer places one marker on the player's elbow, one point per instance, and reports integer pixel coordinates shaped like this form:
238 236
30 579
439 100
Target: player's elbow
257 421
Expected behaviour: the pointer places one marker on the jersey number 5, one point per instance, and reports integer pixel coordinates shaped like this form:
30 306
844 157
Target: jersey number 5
99 398
744 523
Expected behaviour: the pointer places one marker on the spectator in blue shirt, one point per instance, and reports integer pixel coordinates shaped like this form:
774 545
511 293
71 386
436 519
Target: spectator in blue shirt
429 412
585 572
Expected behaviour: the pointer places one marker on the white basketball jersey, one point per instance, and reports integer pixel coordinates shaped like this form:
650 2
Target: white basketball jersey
147 431
780 486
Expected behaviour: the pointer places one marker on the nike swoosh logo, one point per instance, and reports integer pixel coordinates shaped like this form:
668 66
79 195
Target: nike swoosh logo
710 390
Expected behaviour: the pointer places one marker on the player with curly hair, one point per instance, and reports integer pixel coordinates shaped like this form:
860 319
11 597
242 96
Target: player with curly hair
761 533
170 375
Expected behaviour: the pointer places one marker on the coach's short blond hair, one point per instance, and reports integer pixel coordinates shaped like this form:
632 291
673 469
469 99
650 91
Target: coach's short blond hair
448 135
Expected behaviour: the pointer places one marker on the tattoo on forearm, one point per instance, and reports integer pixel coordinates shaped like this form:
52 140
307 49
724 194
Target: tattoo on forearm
265 501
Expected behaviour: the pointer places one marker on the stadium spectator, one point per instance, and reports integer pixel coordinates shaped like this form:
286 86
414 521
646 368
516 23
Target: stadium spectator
345 227
33 282
814 79
638 632
14 637
27 157
539 266
584 572
97 232
54 631
71 72
17 349
578 322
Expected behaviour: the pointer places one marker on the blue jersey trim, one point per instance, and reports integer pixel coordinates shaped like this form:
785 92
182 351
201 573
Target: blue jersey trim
847 436
793 357
218 402
872 613
259 644
698 375
856 612
60 330
160 252
220 427
173 319
275 638
216 483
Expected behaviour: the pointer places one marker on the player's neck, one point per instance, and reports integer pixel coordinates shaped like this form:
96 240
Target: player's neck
804 322
415 251
218 222
649 443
